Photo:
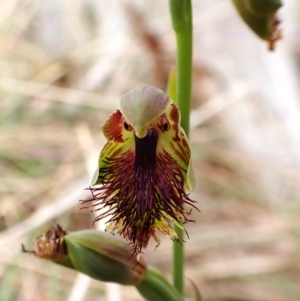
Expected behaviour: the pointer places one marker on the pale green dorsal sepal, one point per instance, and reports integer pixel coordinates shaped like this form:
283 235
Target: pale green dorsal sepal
143 105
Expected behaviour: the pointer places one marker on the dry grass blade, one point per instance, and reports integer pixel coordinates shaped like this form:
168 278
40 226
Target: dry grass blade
48 212
52 93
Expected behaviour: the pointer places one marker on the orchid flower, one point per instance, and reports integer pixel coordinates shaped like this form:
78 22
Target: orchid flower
143 169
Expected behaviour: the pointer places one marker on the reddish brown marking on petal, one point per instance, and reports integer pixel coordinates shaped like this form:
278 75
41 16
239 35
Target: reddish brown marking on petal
163 123
116 152
185 149
106 146
185 144
184 154
180 154
111 149
113 127
174 116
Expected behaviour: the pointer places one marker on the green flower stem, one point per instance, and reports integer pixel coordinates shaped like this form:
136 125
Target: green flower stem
155 287
181 15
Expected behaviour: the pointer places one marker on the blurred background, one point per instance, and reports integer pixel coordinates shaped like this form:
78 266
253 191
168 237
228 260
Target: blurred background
64 64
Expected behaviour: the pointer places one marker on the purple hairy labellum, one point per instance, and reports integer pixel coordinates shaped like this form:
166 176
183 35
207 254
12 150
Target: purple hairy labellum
144 169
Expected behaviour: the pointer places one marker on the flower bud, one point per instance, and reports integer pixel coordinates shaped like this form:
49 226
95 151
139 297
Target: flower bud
263 8
261 17
94 253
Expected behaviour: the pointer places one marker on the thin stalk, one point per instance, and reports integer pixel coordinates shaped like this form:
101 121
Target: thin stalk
181 15
155 287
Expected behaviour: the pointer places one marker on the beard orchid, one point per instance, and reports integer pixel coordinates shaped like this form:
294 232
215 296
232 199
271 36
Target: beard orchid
143 169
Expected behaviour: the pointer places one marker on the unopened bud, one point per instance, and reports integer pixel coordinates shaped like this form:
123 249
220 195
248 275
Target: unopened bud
94 253
261 17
